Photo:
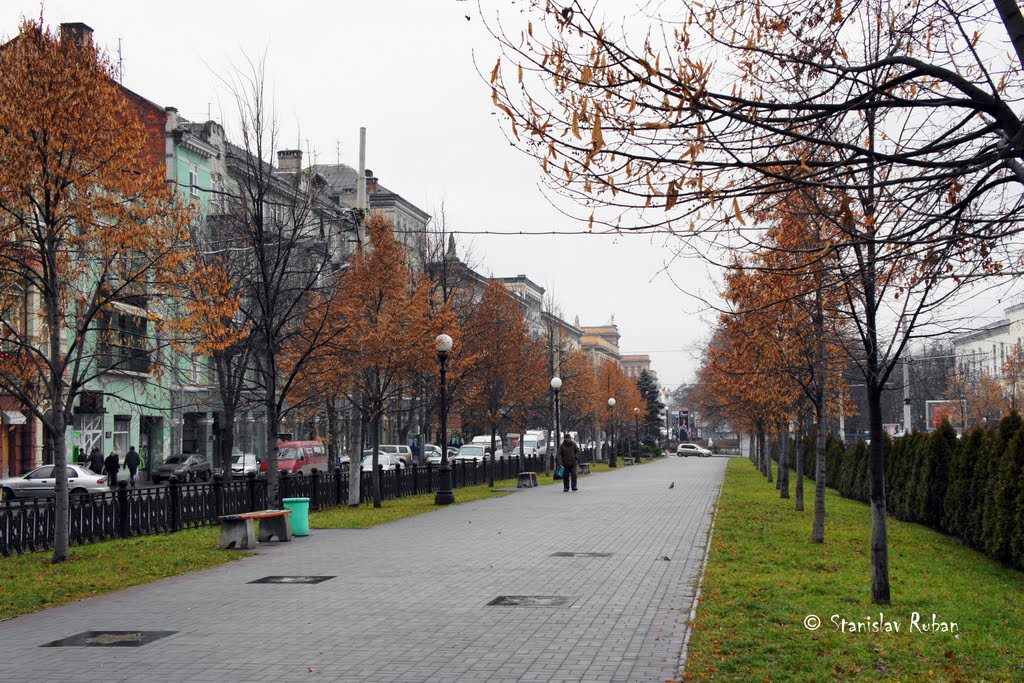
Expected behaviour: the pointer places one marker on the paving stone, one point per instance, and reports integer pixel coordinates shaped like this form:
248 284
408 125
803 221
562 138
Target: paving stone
409 601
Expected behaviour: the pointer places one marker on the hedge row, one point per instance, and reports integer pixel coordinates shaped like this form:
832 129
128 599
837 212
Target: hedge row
971 487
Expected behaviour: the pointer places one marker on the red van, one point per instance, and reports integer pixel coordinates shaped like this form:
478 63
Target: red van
299 457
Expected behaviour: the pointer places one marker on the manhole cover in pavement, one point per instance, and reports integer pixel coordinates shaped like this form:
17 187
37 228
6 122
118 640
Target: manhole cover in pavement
110 639
532 600
293 579
581 554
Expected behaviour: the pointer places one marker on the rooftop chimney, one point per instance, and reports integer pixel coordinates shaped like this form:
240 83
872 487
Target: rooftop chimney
76 32
289 160
371 182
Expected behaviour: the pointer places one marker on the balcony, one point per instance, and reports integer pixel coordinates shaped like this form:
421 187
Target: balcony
125 359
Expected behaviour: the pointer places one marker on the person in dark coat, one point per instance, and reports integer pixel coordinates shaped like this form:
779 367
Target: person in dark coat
96 460
568 458
131 461
111 465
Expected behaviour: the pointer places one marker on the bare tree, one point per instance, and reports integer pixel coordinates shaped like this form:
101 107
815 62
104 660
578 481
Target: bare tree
287 246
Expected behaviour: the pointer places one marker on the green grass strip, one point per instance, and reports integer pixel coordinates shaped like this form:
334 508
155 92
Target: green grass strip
764 578
32 582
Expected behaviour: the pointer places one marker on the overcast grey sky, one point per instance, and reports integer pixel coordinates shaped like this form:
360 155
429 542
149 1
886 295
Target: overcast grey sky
405 70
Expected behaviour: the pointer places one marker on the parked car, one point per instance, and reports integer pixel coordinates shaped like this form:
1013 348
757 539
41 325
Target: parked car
688 449
244 463
485 441
299 457
40 483
432 454
471 452
388 462
403 452
187 467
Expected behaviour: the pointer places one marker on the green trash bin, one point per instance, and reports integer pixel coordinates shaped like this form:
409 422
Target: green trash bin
300 515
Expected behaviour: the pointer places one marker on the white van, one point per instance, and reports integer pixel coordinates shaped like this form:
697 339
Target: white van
537 435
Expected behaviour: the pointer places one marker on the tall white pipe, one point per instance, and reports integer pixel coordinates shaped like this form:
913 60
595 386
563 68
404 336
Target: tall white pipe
361 180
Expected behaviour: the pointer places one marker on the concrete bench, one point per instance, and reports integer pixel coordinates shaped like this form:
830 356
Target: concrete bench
526 480
583 468
238 531
627 461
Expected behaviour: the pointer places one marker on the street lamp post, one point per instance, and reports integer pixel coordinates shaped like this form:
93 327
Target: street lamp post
611 434
556 385
444 495
636 425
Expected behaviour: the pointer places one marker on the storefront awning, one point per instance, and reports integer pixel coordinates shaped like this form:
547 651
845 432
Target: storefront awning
13 417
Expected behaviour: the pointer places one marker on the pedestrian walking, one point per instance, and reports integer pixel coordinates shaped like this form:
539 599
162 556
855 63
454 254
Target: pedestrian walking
568 458
96 460
131 462
111 465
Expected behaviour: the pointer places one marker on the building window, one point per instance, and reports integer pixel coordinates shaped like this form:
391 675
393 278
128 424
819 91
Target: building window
196 371
124 343
218 201
122 432
193 180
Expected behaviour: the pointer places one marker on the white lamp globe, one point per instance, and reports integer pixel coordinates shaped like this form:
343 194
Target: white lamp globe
443 343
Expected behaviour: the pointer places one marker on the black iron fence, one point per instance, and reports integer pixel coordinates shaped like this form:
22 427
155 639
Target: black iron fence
27 526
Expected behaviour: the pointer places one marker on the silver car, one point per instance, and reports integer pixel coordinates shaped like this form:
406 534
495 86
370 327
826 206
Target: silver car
244 463
387 462
688 449
40 483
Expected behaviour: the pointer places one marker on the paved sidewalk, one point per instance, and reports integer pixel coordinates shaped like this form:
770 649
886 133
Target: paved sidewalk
410 599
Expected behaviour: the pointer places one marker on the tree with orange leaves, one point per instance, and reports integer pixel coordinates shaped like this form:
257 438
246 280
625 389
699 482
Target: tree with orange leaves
579 407
382 335
612 382
1013 376
88 228
979 400
508 371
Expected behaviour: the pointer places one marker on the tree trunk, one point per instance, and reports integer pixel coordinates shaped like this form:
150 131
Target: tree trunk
375 436
57 422
876 454
548 452
333 434
784 462
777 450
61 503
880 593
766 458
490 475
273 480
227 443
818 532
355 469
800 464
